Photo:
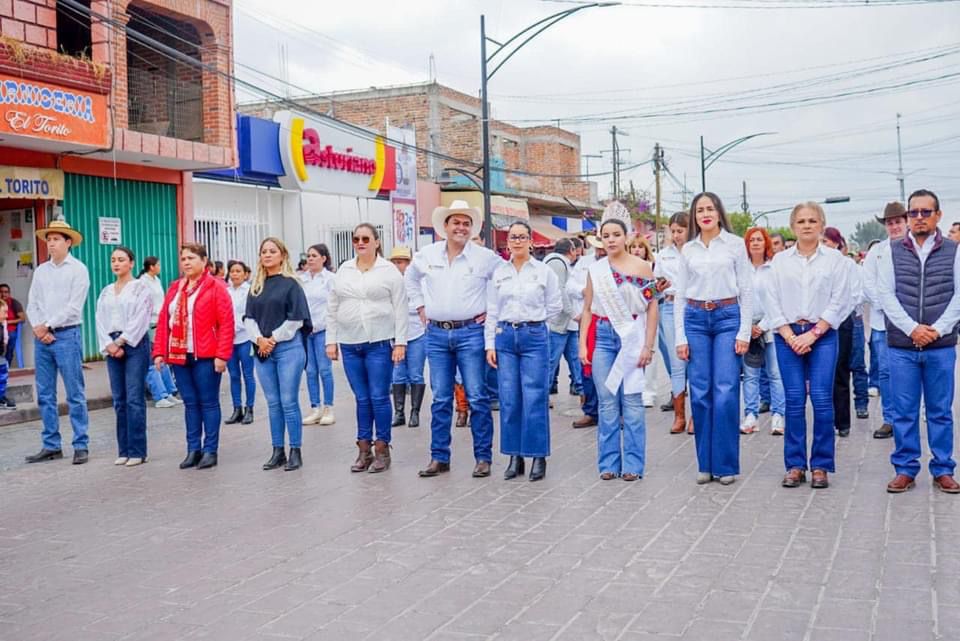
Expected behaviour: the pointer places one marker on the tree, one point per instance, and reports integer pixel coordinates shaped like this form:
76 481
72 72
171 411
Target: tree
868 231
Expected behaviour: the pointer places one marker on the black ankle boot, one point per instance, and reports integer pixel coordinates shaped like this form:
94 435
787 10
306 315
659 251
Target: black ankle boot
191 461
278 458
295 461
236 417
399 397
416 400
514 468
209 459
247 416
539 469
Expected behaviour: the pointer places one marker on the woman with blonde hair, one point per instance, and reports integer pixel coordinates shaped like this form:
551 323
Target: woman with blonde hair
640 247
277 320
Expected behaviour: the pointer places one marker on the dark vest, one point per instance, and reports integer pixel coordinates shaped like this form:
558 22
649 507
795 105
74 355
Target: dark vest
924 291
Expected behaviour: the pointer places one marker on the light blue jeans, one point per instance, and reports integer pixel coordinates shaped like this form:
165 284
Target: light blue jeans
880 351
63 356
751 385
279 377
240 367
567 346
409 371
160 383
667 339
319 369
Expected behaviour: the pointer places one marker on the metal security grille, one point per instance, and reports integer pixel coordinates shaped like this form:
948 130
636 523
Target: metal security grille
229 236
342 246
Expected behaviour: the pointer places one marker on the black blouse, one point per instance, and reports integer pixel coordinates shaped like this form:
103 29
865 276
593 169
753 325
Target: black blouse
282 299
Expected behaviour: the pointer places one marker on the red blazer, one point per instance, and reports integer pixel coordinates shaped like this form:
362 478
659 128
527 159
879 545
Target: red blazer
213 327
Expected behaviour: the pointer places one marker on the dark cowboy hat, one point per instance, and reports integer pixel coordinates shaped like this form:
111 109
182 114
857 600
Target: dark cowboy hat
892 210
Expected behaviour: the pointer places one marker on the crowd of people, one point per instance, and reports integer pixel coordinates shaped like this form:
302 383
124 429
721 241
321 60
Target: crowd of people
759 317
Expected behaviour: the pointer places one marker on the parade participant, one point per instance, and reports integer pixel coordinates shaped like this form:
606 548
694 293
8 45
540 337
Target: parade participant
665 271
572 354
920 293
408 373
55 309
638 246
777 243
954 232
15 317
841 387
562 342
240 365
162 388
5 403
124 310
367 316
522 296
715 294
277 320
578 283
806 298
621 299
895 221
195 336
316 280
447 282
760 251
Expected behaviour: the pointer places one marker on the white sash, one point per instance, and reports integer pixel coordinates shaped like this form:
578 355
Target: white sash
632 331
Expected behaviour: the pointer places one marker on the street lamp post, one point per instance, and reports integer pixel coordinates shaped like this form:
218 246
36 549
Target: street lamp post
708 157
524 36
831 200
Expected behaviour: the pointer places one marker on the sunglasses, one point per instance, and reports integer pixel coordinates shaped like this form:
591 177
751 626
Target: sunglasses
923 213
361 239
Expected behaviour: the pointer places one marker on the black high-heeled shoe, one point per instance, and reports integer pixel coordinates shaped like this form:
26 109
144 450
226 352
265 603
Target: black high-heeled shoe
514 468
277 459
538 469
295 461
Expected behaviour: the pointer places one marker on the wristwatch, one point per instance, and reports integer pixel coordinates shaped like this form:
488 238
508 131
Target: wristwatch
817 331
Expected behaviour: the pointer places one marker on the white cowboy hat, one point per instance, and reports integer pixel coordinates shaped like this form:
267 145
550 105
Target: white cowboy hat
441 214
60 227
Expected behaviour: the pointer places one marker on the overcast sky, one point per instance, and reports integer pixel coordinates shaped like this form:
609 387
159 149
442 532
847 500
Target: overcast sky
614 65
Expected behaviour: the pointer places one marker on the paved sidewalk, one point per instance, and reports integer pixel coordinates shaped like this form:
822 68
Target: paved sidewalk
234 553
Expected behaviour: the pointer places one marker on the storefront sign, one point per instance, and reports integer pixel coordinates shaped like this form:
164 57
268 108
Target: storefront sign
110 231
404 223
48 111
29 182
406 140
322 156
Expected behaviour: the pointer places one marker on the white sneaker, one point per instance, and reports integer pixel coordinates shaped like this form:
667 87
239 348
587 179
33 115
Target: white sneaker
165 403
649 400
121 460
873 392
133 462
749 424
776 425
174 399
313 417
327 417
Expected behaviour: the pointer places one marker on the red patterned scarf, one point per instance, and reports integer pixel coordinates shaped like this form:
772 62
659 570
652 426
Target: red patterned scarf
178 334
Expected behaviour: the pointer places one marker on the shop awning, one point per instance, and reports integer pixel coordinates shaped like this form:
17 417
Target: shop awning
539 240
543 226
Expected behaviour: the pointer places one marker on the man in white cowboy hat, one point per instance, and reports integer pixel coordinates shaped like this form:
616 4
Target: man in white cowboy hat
447 282
55 309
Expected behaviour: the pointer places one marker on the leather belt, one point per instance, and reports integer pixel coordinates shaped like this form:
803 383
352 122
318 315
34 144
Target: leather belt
454 324
710 305
521 324
54 330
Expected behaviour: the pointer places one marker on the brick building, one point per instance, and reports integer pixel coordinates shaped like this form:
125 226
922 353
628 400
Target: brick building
104 113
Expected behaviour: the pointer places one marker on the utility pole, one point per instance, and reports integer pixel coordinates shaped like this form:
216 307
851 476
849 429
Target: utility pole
587 158
657 169
616 164
744 205
900 175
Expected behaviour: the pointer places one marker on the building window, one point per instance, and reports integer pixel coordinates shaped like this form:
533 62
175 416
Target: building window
73 30
229 235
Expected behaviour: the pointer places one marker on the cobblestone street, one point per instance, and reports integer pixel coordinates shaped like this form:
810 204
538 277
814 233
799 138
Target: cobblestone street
154 553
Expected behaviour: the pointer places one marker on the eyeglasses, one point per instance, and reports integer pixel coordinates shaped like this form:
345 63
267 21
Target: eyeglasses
518 239
361 239
923 213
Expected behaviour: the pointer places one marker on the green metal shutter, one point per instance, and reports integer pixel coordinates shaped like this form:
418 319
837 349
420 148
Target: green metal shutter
148 214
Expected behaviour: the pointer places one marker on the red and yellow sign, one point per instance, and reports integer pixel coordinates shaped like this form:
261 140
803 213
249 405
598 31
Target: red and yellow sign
51 112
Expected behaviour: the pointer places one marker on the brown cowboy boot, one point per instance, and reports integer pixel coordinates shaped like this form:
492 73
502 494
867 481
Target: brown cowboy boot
679 413
381 457
461 403
364 457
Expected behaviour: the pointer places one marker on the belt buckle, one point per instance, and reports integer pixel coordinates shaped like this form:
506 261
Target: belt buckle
446 325
709 305
516 325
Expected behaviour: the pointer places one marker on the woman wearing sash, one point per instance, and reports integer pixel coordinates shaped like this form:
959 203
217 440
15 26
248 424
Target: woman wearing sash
620 296
521 295
714 317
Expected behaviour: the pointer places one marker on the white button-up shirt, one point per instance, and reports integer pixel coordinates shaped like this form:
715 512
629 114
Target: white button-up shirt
667 266
57 293
128 313
366 307
576 284
532 294
317 289
891 304
451 291
871 284
239 297
714 272
156 295
808 289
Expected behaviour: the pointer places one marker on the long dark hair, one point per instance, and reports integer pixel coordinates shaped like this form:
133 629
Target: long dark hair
148 262
722 219
321 249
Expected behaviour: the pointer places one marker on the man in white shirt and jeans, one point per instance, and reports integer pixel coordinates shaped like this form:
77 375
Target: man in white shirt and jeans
55 309
447 283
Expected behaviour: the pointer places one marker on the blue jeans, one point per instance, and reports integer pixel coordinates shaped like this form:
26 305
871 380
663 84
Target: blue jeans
127 377
858 366
591 404
668 349
626 454
13 346
714 372
879 351
447 351
765 383
409 371
818 368
873 375
240 367
369 369
4 377
319 369
751 384
523 364
64 355
199 385
928 374
568 346
160 383
279 377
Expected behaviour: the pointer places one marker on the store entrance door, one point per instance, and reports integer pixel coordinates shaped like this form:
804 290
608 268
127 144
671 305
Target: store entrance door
17 262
